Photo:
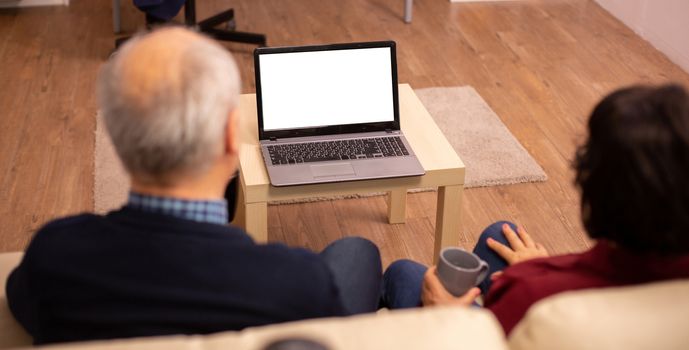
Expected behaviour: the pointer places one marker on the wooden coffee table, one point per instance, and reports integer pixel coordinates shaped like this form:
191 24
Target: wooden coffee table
444 170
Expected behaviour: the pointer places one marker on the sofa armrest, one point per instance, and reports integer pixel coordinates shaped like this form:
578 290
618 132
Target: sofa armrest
12 334
649 316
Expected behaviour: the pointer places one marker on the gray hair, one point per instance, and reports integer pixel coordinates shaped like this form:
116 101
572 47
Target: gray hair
165 98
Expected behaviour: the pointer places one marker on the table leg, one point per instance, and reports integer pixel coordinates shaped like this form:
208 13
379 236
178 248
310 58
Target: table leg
252 217
397 206
256 219
447 218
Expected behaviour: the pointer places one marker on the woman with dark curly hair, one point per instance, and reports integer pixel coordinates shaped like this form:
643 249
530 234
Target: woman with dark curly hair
632 172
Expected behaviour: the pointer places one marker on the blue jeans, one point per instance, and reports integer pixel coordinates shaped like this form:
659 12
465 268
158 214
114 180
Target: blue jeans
356 268
403 278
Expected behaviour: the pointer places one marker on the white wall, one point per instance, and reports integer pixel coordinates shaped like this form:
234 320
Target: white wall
26 3
664 23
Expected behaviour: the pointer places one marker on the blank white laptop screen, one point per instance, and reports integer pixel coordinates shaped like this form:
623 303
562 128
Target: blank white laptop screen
337 87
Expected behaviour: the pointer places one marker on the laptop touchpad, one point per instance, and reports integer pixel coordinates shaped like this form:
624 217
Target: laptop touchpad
329 170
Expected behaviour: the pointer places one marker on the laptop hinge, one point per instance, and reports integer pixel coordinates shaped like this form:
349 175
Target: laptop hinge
389 131
273 138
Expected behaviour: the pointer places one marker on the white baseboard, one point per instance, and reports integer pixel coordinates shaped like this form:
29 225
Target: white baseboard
27 3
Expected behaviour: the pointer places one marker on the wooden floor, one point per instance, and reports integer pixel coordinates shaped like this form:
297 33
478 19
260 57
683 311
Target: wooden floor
541 66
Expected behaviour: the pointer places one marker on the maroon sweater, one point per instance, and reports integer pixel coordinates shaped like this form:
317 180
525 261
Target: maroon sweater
525 283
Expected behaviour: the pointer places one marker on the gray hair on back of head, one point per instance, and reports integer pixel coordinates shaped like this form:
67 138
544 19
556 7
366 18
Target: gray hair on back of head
166 101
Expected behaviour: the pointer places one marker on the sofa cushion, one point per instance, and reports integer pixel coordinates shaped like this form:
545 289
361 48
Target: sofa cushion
650 316
432 328
11 333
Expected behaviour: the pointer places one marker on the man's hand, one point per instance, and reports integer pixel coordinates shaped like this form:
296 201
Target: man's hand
433 292
523 247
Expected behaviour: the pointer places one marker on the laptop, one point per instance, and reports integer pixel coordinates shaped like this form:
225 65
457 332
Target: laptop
330 113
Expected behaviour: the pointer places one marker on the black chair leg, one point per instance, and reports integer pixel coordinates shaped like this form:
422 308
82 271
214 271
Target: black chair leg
218 19
209 25
239 37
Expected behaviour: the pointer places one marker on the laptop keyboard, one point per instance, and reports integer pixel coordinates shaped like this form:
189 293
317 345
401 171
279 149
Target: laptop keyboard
377 147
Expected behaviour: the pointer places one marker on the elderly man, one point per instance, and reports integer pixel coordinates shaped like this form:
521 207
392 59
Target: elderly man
167 262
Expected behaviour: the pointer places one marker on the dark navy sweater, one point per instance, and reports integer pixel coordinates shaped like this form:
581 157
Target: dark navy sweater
132 273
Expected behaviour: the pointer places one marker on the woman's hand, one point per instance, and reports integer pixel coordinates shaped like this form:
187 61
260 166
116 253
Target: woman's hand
523 247
433 292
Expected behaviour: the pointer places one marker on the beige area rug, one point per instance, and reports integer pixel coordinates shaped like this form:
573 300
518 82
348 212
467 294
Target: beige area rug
491 154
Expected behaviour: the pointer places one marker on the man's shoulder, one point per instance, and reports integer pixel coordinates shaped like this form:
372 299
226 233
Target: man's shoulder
231 238
71 221
81 235
57 235
67 224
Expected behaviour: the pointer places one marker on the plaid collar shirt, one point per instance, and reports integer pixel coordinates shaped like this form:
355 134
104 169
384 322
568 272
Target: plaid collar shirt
209 211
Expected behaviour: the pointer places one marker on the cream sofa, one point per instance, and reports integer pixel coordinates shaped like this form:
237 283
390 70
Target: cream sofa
654 316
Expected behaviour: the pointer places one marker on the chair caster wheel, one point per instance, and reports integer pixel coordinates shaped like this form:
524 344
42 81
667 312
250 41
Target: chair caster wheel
231 24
